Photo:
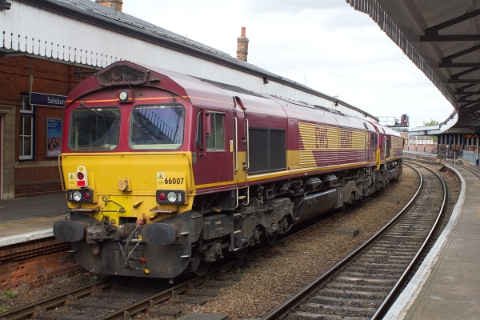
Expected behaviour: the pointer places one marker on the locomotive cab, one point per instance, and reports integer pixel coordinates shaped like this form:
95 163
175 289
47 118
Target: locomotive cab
126 166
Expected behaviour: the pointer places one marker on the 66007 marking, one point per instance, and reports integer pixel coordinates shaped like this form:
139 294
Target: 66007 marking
174 180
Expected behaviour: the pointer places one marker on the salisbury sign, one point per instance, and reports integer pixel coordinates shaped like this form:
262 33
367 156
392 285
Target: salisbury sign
45 99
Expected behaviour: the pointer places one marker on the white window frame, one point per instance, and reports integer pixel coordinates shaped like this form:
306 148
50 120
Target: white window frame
26 111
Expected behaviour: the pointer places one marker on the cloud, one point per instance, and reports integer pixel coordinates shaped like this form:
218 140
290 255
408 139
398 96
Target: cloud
290 6
323 43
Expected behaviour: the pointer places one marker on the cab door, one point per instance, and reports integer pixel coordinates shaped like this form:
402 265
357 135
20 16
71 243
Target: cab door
241 156
213 153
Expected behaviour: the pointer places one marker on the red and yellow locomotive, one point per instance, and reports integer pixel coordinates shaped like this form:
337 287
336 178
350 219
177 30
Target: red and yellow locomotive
165 173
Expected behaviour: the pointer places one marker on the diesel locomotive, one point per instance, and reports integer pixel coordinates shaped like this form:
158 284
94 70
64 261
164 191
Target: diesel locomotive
165 173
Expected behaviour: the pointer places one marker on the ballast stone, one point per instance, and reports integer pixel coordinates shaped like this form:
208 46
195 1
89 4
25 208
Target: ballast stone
348 231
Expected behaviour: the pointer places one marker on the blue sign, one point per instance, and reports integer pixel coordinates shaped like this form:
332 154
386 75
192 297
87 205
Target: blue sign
44 99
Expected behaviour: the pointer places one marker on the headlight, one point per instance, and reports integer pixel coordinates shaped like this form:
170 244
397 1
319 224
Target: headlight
77 196
123 96
172 197
82 195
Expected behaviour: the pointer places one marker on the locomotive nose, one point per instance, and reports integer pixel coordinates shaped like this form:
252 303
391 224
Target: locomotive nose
69 231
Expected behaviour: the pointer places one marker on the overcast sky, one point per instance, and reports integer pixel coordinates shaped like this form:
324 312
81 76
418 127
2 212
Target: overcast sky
324 44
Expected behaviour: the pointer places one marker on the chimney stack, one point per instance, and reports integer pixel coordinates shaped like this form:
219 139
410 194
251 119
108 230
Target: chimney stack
242 47
114 4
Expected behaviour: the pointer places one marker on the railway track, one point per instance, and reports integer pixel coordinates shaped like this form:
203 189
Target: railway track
105 301
365 283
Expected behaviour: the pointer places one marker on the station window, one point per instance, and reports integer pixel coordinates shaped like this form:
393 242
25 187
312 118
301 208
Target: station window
26 136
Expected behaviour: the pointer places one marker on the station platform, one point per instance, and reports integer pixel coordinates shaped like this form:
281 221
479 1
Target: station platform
26 219
447 285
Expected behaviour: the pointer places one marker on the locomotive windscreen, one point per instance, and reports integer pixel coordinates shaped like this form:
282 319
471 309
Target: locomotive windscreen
157 127
94 128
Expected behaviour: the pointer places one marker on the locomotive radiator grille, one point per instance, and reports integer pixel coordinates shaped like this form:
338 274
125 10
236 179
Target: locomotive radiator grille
120 74
268 150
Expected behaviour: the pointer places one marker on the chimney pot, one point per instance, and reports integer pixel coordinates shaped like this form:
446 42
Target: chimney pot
114 4
242 45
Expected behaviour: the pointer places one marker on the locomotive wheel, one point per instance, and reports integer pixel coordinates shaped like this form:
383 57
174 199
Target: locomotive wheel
271 239
198 266
241 253
202 268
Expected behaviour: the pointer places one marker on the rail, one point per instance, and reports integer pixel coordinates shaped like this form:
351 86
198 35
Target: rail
340 305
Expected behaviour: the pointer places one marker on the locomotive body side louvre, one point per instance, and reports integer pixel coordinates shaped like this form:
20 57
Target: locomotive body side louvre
267 150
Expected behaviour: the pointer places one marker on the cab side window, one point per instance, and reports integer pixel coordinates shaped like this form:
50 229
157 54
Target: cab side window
214 131
216 137
200 130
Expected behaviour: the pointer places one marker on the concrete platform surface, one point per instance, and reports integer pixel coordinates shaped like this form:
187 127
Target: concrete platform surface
447 285
25 219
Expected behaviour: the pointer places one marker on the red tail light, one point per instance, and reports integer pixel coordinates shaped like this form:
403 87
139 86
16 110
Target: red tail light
161 196
86 196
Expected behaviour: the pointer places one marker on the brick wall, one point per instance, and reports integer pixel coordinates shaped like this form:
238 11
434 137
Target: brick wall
21 75
42 188
35 264
41 176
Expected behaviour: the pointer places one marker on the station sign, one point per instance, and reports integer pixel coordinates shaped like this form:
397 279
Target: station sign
45 99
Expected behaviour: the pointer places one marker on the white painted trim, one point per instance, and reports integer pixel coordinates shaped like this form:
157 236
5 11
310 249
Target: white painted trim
30 236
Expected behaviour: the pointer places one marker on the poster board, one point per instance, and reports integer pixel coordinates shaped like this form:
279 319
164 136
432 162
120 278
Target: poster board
54 137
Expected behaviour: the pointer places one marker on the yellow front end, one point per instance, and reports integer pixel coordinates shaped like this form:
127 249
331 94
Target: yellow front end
126 186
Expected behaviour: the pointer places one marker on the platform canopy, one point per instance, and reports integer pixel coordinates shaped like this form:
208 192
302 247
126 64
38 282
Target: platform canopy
442 37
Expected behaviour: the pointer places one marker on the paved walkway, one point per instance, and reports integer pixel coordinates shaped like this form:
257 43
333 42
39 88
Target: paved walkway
447 285
25 219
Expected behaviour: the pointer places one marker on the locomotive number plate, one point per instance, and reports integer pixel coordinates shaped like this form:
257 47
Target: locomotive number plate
170 178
